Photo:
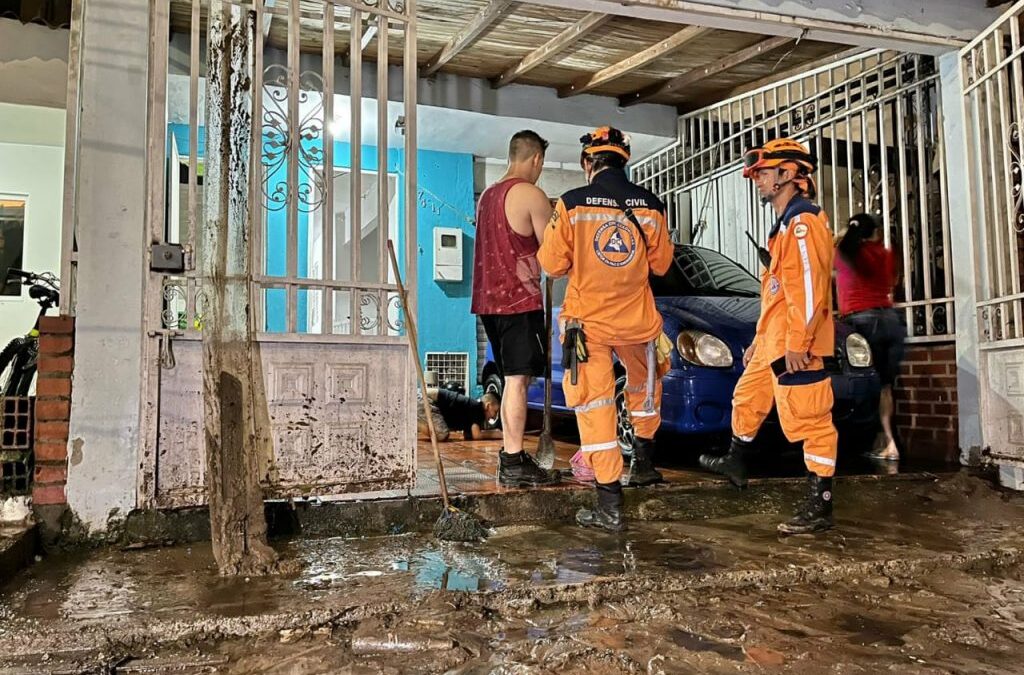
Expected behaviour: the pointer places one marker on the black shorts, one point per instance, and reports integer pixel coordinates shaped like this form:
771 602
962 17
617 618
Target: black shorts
517 341
885 330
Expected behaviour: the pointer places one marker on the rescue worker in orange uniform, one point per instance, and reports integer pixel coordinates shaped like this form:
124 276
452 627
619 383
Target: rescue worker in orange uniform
608 237
794 334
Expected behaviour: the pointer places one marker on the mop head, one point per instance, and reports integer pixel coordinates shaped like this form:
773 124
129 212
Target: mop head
456 525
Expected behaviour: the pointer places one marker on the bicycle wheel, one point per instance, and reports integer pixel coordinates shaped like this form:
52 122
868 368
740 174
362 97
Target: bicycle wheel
14 380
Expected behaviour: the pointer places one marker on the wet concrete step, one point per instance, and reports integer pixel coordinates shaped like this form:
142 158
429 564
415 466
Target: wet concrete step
18 546
702 496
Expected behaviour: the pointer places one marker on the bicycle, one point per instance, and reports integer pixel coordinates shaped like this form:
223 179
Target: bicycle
18 365
19 359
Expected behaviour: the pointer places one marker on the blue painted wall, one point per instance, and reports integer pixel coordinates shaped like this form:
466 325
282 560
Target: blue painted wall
277 233
445 199
445 191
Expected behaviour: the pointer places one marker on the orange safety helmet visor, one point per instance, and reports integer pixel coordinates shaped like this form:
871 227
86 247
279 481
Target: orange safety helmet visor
777 153
606 139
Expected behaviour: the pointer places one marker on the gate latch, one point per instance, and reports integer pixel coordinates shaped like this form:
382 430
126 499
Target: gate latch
167 258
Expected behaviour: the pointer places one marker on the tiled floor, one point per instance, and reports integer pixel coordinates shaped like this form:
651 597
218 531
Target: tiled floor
471 466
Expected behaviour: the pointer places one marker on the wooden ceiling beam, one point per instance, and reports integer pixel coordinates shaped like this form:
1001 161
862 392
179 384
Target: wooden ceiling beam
917 26
703 72
805 67
560 42
465 37
638 60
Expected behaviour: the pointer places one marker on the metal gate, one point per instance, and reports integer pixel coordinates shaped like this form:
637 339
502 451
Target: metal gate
993 77
874 122
331 177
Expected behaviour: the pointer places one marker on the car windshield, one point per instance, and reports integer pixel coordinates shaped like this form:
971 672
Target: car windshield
701 271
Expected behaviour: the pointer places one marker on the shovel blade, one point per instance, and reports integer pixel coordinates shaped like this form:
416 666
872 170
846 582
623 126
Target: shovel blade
546 451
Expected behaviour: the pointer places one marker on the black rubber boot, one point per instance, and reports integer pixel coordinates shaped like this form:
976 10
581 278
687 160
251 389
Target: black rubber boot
607 514
732 464
641 465
816 513
520 470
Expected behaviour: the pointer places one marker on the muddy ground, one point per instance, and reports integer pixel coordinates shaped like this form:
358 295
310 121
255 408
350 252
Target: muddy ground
947 621
917 577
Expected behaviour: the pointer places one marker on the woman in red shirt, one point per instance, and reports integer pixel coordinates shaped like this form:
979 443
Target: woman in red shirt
865 278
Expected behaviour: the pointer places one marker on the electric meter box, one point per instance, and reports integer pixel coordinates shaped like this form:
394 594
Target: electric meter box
447 254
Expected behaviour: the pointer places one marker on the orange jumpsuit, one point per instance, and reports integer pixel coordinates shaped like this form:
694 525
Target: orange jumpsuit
608 264
796 315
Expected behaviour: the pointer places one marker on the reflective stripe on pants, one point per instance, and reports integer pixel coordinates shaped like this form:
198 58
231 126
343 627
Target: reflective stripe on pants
598 423
804 407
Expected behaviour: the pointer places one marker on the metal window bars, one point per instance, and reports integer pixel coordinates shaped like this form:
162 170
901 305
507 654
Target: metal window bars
873 120
319 228
994 113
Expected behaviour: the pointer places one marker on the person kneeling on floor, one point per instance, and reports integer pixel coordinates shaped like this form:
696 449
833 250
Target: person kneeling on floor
608 237
477 419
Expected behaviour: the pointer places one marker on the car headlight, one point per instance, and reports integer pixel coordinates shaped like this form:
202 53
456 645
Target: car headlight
858 351
702 349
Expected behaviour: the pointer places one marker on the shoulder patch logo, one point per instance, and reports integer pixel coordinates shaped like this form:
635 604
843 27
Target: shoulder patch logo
800 231
614 244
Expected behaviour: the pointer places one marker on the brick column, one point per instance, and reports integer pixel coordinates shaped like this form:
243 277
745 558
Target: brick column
53 409
927 408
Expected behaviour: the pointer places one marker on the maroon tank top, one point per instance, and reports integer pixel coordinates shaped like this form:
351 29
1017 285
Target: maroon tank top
506 274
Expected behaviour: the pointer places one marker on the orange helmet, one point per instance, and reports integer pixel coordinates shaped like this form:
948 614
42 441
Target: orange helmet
776 153
783 152
606 139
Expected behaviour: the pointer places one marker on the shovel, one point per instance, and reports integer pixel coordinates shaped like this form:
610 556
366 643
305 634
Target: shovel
546 445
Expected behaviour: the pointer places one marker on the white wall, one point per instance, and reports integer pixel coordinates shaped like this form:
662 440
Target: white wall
554 180
33 64
32 164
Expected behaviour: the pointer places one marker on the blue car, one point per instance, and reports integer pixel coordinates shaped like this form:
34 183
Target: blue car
710 306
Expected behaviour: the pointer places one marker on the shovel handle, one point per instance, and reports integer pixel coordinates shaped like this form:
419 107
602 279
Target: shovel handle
549 286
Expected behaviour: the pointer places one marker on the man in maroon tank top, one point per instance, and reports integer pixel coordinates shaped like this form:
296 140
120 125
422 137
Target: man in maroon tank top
510 221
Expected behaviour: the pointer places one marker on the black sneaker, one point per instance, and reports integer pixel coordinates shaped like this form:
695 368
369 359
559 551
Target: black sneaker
816 513
521 470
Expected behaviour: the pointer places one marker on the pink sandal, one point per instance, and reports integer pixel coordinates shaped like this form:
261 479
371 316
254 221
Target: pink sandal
580 470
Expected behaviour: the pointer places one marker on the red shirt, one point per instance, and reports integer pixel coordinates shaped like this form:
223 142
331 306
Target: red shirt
506 274
869 282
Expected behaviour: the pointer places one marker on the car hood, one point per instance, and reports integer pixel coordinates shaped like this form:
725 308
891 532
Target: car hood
730 318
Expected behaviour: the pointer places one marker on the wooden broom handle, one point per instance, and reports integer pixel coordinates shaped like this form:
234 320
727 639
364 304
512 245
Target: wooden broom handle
411 323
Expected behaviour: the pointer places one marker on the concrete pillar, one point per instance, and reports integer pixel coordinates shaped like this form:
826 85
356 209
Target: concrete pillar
105 406
962 231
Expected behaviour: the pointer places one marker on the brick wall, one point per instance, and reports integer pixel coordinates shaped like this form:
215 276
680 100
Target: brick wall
53 409
926 403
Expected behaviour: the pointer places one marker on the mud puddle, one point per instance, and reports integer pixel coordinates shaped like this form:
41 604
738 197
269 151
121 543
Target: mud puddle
530 599
950 622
